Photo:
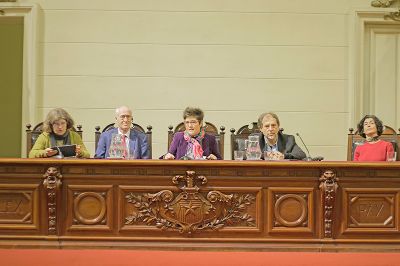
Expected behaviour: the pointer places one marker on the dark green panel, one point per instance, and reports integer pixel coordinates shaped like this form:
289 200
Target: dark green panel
11 56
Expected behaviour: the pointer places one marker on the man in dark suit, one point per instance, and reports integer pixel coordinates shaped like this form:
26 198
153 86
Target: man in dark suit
134 142
278 146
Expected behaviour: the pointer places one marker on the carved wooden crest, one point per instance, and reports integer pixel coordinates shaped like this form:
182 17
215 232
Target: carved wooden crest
190 210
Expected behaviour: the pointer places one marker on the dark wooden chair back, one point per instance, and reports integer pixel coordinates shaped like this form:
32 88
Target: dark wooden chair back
135 126
210 129
388 134
33 134
242 134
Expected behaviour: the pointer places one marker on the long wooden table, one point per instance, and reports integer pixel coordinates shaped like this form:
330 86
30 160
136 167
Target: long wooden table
155 204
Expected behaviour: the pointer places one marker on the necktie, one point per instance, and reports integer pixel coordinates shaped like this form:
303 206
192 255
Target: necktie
125 150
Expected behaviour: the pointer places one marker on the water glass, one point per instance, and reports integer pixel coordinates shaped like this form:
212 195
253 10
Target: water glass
241 145
238 155
131 154
391 156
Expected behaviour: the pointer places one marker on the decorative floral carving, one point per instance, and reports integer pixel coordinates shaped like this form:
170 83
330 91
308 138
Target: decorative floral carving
382 3
393 15
190 211
388 3
233 213
52 183
328 188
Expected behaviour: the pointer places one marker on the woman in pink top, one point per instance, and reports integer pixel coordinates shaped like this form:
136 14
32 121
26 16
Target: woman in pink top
373 149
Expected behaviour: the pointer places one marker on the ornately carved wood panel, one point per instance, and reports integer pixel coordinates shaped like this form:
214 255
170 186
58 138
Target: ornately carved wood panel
370 210
220 209
19 206
291 211
89 208
189 209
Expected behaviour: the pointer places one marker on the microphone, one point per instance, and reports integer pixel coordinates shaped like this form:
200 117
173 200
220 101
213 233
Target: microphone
59 155
308 158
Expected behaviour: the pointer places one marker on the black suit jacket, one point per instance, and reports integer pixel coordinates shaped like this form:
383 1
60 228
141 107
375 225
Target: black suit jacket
286 145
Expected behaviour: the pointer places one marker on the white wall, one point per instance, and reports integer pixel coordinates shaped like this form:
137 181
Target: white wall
235 59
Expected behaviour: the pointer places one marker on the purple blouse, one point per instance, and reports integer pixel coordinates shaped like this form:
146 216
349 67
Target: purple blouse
179 146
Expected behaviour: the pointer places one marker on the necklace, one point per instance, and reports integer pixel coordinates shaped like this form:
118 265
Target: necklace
372 139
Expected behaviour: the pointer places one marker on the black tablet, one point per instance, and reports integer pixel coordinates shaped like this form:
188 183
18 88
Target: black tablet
66 150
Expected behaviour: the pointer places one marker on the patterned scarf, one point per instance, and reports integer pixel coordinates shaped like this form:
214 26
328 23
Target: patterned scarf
54 139
194 148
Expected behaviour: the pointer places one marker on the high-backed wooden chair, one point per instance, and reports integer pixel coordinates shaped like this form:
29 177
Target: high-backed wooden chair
210 129
134 127
242 134
388 134
33 134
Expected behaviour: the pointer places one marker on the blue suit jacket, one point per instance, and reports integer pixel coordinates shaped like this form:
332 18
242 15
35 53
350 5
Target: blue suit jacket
137 143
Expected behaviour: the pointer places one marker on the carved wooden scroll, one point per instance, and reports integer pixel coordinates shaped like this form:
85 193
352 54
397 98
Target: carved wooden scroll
328 186
190 211
52 184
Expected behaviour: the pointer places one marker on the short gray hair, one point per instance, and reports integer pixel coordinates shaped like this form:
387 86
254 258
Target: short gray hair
119 109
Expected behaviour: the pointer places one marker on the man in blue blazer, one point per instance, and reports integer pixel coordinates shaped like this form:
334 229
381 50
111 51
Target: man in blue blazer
135 140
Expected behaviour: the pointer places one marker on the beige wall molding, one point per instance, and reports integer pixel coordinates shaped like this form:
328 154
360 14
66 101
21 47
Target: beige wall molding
363 51
29 12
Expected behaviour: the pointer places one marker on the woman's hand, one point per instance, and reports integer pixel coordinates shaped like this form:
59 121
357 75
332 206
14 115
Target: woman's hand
78 151
169 156
211 157
50 152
